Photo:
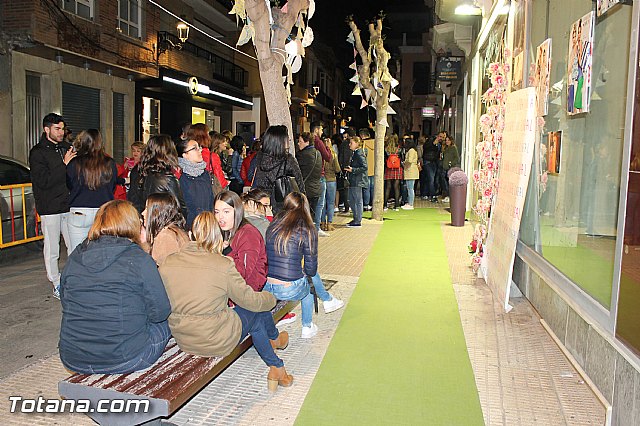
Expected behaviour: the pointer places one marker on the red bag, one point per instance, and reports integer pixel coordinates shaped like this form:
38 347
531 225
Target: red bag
393 161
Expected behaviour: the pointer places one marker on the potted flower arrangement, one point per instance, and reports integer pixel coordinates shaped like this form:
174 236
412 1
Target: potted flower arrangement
458 194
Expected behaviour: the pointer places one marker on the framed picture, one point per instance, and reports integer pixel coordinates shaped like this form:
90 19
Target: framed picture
554 150
579 65
602 6
519 42
543 73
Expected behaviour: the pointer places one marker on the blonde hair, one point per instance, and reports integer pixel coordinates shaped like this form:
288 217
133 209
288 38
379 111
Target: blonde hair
359 141
391 144
207 233
118 218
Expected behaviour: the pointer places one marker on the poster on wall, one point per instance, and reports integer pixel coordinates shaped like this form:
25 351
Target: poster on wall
519 35
554 145
518 141
603 6
579 65
543 73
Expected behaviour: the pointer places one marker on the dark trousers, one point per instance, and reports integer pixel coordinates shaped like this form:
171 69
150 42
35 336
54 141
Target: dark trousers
262 329
396 190
430 174
313 203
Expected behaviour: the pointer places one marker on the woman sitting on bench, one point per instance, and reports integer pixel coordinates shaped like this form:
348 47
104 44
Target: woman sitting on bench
201 321
114 305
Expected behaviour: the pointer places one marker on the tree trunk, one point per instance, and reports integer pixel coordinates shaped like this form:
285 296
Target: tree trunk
382 103
275 94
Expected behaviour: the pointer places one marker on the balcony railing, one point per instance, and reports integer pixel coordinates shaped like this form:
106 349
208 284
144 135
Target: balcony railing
223 69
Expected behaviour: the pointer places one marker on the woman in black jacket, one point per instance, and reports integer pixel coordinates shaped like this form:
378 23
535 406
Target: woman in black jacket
195 182
114 304
275 161
156 173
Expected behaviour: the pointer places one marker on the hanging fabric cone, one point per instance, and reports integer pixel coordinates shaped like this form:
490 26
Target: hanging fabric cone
355 78
351 39
393 97
384 122
364 103
310 11
386 76
285 8
355 53
367 93
390 110
356 91
353 66
394 83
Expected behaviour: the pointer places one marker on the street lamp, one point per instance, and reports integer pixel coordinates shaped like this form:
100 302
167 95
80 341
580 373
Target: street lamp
316 90
468 7
342 105
183 31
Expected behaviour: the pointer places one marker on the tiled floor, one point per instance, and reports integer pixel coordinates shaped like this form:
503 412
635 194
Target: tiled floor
522 377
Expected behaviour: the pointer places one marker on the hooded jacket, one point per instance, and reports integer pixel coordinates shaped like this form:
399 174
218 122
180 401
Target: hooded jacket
49 176
110 292
310 162
201 321
269 168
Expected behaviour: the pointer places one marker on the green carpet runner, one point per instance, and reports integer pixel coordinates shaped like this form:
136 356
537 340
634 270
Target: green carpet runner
398 356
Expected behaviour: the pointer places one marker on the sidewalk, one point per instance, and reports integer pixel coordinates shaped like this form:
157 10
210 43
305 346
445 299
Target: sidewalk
521 375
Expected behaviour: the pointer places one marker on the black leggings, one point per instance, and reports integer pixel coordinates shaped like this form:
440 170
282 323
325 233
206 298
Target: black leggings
396 190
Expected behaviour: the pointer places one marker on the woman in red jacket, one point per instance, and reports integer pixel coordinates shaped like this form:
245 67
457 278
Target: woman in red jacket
243 242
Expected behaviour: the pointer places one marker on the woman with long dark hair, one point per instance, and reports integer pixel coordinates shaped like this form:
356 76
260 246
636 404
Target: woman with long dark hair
195 182
201 320
114 304
156 173
292 238
163 226
257 209
242 241
275 161
91 179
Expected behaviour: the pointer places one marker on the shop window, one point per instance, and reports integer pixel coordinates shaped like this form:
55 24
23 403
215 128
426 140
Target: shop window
575 215
83 8
129 17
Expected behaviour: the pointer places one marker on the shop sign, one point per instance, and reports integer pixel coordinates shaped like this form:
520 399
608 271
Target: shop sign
429 112
193 85
449 68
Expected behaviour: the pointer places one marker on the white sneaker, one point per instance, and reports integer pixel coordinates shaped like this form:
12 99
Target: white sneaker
336 210
309 332
407 207
322 233
332 305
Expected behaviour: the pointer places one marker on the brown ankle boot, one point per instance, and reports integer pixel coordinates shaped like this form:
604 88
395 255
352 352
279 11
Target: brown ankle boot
330 227
323 226
278 376
281 342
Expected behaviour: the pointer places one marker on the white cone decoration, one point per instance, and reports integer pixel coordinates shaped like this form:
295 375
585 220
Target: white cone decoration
353 66
356 91
355 78
308 37
364 104
393 97
355 53
291 48
367 93
394 83
385 76
390 110
284 9
296 64
350 38
311 10
384 122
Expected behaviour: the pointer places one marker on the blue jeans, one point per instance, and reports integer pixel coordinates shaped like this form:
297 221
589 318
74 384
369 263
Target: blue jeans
329 202
431 172
321 202
372 181
320 290
159 335
411 195
297 290
355 200
262 329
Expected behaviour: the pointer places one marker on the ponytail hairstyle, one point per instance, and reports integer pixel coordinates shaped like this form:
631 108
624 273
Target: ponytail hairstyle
206 232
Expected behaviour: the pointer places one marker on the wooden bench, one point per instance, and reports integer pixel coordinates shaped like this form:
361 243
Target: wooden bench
167 385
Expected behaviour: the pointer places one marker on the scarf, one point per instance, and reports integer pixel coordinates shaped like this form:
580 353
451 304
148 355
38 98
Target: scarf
190 168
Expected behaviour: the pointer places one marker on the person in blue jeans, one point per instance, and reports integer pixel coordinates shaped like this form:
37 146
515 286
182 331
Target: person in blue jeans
358 179
292 238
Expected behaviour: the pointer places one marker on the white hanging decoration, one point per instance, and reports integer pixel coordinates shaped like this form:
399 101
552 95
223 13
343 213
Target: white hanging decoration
285 8
353 66
384 122
292 48
367 93
394 83
393 97
247 33
356 91
351 39
364 104
355 53
238 9
312 9
385 76
268 2
355 78
390 110
308 37
296 64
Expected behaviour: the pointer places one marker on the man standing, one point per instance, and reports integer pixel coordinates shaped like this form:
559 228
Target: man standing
316 130
310 162
369 153
48 161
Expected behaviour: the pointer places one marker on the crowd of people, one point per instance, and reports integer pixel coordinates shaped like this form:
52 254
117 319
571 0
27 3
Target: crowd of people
197 237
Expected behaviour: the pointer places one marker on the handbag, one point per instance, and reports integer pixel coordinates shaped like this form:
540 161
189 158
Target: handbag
216 186
283 185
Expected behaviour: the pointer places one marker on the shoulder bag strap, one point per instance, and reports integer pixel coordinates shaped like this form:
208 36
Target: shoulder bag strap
315 159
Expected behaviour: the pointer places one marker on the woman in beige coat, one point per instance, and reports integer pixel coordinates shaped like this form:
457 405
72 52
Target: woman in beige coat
411 172
200 281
